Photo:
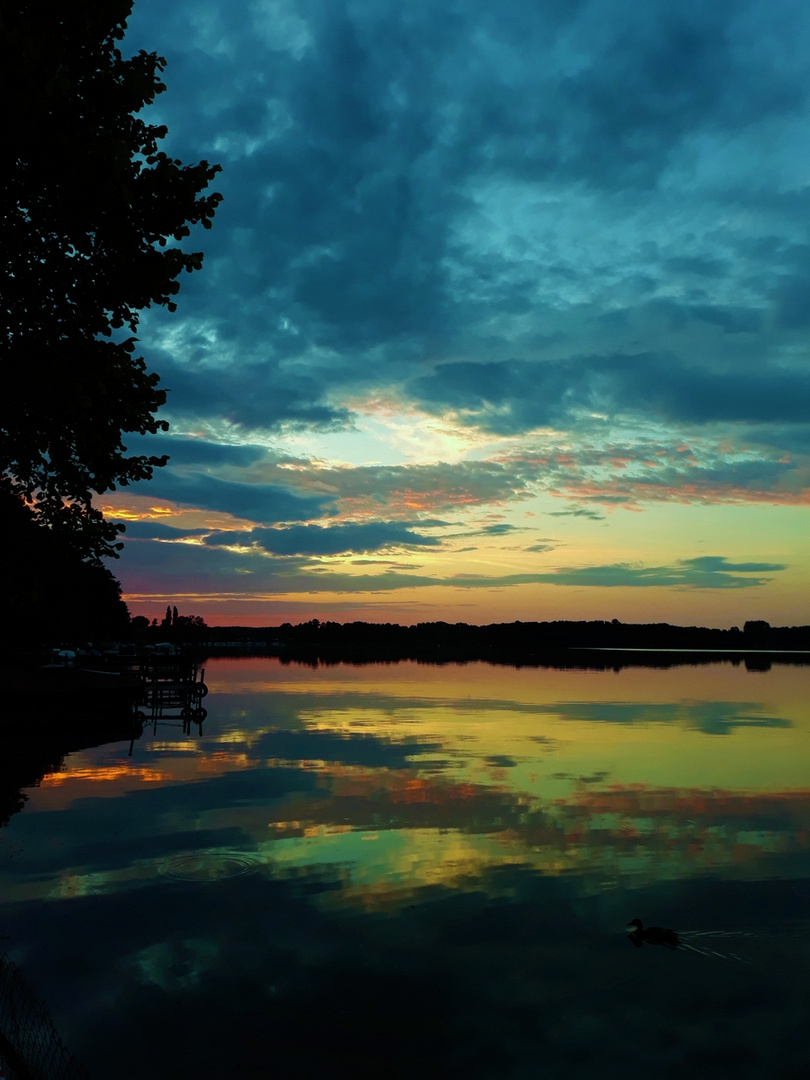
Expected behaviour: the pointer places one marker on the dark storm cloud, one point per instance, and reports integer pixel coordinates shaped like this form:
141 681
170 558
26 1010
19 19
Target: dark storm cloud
258 502
334 540
515 396
701 266
571 215
650 80
335 219
791 439
196 451
195 570
692 394
252 394
357 141
157 530
731 320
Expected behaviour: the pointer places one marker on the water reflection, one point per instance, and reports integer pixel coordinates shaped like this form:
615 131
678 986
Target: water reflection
395 789
399 849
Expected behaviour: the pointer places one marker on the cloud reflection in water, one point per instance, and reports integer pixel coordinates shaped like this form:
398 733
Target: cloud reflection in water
391 788
427 865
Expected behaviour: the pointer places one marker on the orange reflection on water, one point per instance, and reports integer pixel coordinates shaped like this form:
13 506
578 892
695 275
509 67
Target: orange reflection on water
219 761
418 790
106 774
79 776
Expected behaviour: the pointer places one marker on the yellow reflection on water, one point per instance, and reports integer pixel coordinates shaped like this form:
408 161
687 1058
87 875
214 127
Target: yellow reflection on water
398 778
716 725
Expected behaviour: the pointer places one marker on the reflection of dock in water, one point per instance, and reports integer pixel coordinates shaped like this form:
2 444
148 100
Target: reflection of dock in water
172 687
109 693
30 1048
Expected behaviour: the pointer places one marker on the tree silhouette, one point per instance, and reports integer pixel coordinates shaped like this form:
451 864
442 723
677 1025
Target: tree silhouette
92 215
49 593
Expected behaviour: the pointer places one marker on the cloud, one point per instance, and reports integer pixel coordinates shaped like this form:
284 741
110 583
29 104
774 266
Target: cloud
577 511
274 490
705 572
516 396
198 451
406 186
198 570
390 563
640 473
713 482
257 502
565 229
157 530
716 563
332 540
501 528
251 394
407 491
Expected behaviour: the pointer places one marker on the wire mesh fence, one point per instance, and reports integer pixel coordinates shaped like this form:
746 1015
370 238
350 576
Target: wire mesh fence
30 1048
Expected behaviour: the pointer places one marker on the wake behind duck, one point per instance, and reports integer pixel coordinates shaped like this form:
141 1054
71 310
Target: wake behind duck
640 935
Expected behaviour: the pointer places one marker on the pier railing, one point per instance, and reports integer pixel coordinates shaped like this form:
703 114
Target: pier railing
173 687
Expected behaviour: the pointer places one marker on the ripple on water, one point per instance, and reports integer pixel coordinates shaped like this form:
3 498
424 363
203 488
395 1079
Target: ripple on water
211 865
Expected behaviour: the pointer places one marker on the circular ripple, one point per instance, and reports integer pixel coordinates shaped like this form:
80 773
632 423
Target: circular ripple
212 866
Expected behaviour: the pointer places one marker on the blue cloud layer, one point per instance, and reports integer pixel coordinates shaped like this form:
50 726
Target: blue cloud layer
335 540
259 502
177 569
571 224
506 193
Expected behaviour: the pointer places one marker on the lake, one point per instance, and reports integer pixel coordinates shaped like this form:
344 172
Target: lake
411 870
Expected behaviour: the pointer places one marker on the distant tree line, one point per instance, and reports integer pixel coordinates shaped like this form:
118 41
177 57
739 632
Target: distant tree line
173 627
510 642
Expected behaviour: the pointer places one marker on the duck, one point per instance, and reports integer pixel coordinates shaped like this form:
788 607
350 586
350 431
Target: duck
652 935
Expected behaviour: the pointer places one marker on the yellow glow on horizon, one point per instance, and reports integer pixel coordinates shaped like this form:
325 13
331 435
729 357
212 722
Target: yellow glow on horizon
660 535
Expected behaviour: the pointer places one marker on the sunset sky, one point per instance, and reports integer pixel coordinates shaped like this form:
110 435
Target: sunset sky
505 314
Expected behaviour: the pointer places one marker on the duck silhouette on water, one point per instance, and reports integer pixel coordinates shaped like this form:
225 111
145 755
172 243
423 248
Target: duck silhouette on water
652 935
693 941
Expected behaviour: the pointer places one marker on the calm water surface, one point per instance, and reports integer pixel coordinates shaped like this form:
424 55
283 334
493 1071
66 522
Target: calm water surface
409 870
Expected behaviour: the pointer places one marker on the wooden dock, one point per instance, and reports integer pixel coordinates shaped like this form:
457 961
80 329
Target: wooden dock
172 688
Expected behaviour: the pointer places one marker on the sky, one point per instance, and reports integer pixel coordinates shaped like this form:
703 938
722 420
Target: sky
505 314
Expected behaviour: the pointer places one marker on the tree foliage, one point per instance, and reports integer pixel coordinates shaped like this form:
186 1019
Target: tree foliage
92 218
50 594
